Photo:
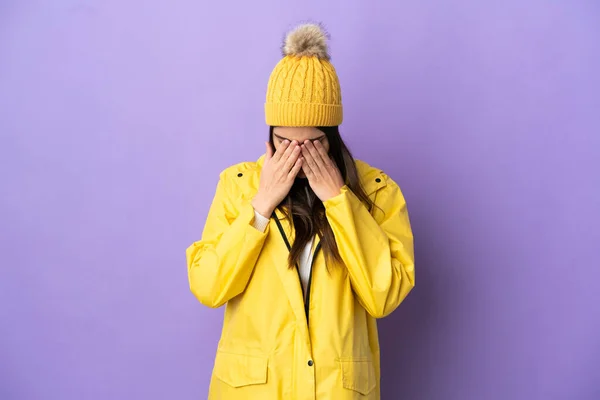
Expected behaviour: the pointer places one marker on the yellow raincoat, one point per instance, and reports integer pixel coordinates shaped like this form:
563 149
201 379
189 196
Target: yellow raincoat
271 346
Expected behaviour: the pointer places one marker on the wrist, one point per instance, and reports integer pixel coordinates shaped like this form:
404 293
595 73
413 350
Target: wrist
334 194
262 206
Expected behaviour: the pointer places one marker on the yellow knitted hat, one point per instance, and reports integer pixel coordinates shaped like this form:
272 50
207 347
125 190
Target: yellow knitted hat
303 88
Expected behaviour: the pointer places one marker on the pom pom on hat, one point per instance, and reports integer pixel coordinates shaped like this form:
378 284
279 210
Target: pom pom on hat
308 40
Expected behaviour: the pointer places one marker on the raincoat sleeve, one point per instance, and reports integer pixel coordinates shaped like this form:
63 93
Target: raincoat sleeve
220 264
377 249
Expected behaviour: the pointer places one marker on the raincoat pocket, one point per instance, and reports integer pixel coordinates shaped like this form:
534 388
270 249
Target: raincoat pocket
239 370
358 375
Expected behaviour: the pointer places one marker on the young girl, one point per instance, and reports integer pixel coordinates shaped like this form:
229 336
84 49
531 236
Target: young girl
307 247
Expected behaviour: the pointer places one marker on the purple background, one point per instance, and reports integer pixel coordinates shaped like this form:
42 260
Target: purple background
116 117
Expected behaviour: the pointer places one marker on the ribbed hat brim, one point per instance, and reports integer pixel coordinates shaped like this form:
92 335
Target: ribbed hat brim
303 114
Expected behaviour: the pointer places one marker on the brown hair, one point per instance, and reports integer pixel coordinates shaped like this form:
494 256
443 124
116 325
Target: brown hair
305 211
